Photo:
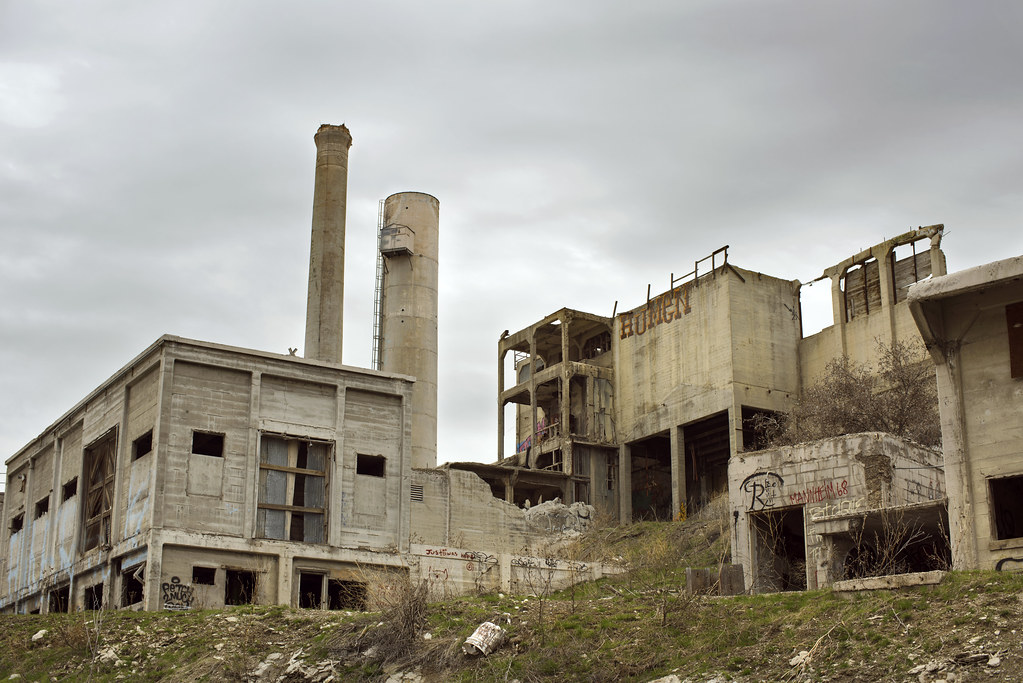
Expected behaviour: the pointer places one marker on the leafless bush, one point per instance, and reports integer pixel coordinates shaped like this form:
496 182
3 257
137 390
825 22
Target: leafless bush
887 549
899 397
403 603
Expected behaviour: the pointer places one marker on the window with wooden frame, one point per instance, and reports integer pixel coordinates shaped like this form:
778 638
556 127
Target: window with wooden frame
292 489
99 490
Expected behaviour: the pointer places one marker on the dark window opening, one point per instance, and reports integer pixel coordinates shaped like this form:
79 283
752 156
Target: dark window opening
310 591
204 576
1014 319
132 587
707 449
60 599
346 595
69 490
612 474
759 428
1007 505
651 479
780 556
94 597
144 445
208 443
582 492
241 587
370 465
99 491
17 522
42 507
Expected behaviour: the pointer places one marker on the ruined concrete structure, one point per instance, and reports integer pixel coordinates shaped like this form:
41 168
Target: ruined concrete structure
800 511
972 324
201 475
640 413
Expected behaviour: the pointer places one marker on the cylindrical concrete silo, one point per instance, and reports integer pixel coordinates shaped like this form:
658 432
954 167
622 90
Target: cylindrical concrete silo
408 309
325 303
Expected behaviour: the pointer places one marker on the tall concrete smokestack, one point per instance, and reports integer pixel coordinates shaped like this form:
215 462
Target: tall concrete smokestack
325 304
408 309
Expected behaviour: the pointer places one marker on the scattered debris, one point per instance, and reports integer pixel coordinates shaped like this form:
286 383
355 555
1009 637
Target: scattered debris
487 637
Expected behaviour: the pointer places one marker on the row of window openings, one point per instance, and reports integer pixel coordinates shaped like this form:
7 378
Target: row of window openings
304 489
316 591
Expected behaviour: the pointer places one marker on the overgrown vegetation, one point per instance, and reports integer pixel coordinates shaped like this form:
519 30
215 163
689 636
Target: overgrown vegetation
616 629
898 396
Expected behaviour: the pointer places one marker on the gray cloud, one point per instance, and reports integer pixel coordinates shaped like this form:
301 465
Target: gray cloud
157 163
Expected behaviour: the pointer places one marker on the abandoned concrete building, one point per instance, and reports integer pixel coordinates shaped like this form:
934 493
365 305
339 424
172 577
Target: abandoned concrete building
972 324
201 475
204 475
639 414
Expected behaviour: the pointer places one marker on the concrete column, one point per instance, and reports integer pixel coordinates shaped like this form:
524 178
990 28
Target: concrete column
409 312
625 484
532 398
325 302
501 352
678 471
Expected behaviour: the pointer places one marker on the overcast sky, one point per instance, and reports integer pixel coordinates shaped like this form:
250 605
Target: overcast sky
156 163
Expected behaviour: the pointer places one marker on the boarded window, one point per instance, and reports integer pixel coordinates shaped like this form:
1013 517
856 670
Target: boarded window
1007 506
910 263
142 445
292 489
99 492
370 465
861 289
1014 319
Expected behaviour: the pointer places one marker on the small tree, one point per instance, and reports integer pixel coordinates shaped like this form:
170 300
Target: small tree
899 397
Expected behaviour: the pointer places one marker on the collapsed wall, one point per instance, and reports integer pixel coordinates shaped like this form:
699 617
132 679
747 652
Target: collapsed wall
466 540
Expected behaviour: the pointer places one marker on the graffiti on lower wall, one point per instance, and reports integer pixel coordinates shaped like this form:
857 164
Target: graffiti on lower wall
818 493
177 595
764 489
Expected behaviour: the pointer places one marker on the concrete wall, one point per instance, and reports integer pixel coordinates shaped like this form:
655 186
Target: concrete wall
202 501
822 480
964 320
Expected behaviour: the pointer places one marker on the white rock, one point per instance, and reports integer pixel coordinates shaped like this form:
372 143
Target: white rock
39 635
800 659
994 661
231 620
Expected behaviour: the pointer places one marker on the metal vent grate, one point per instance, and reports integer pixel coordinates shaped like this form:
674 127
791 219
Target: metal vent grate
417 492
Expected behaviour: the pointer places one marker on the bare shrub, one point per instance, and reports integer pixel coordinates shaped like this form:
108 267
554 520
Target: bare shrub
899 397
403 602
888 549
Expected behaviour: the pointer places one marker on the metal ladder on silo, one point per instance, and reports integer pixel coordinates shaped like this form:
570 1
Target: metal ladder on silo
378 294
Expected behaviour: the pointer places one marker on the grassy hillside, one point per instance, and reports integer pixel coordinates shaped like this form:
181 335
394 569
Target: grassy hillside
635 627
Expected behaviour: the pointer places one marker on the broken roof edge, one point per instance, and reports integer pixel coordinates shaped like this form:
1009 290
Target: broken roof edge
969 280
932 232
168 339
